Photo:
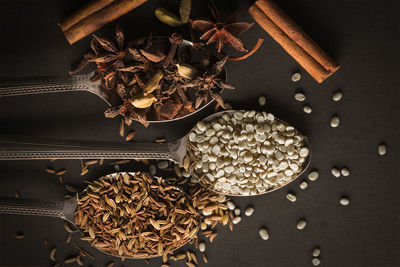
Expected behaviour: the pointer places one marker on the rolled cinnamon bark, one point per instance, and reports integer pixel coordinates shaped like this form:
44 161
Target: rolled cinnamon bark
83 12
100 18
293 39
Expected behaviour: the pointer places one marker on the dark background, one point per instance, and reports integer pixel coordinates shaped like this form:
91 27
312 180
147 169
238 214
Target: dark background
361 35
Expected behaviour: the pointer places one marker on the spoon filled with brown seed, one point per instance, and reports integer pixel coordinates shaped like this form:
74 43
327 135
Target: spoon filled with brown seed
233 152
130 215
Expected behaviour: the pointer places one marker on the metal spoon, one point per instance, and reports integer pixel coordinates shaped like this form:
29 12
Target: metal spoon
59 209
19 148
45 85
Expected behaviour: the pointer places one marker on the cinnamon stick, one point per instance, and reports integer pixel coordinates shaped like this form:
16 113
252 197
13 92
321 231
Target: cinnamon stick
293 39
98 19
83 12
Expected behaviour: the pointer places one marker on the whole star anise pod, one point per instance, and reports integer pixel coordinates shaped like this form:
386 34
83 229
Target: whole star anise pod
222 32
209 86
108 56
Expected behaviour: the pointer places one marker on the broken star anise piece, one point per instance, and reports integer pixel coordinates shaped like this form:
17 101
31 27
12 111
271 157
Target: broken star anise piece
222 32
209 86
126 109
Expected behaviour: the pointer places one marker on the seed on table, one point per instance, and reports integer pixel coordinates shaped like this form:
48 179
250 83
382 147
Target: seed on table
307 109
300 97
264 233
236 220
61 171
237 211
19 235
301 224
162 164
249 211
230 205
296 77
316 261
291 197
262 100
50 169
152 169
130 136
203 226
337 96
303 185
382 149
335 121
344 201
202 246
121 127
53 254
312 176
345 172
335 172
316 252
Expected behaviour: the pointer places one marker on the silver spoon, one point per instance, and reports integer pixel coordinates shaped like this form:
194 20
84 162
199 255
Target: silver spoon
45 85
59 209
20 148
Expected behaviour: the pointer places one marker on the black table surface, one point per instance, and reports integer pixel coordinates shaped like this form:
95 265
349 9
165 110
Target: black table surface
361 35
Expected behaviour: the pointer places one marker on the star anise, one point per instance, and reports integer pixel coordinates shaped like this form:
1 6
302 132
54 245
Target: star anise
209 86
222 32
127 91
108 56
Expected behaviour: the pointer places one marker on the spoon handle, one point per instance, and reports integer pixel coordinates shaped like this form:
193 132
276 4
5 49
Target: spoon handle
16 206
41 85
22 148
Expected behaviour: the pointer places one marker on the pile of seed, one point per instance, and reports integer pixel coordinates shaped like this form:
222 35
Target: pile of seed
136 216
246 153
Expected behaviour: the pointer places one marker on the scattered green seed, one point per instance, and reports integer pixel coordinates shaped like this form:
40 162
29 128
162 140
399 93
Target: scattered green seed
296 77
303 185
291 197
307 109
249 211
300 97
337 96
335 121
202 246
345 172
316 252
335 172
316 261
264 233
162 164
301 224
344 201
312 176
262 100
382 149
152 169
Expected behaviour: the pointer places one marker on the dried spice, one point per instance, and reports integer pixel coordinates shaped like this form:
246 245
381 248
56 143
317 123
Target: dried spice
222 32
136 216
151 80
208 85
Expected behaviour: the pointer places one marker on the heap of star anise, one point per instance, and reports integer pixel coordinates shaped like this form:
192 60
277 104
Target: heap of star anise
222 32
152 81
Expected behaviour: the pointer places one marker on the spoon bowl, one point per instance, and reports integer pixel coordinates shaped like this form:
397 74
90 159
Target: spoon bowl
64 210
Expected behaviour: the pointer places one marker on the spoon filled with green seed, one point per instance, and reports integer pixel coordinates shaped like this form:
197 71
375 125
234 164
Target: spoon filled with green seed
233 152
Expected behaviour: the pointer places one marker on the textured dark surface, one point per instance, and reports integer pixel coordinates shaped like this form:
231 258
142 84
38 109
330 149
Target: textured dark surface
361 35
